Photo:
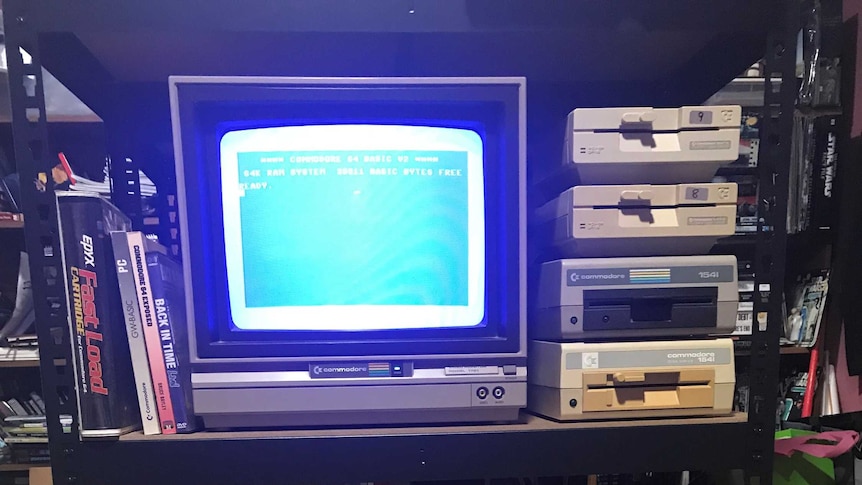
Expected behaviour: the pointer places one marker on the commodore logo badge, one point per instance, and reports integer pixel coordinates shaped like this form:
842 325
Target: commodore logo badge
590 360
334 370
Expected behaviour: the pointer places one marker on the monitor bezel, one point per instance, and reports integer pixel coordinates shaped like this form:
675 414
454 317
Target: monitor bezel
191 97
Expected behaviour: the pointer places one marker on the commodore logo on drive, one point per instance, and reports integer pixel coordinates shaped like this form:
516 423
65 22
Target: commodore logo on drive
590 277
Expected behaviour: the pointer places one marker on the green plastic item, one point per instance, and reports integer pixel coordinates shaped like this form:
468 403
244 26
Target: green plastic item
801 468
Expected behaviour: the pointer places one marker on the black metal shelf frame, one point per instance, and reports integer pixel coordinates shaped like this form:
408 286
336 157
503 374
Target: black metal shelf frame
467 454
771 255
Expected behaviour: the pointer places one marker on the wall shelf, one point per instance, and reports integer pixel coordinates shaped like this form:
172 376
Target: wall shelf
115 56
11 220
21 467
536 447
790 350
11 224
18 357
674 52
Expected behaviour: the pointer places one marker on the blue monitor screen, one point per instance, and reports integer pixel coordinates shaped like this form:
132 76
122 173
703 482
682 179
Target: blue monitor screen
354 227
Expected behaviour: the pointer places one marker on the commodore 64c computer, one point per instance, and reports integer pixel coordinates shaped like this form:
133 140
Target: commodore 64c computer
354 248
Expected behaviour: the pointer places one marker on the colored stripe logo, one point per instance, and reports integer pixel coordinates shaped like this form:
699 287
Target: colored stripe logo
378 369
649 276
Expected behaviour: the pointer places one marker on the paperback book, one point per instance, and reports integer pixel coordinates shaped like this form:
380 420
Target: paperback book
138 246
166 282
125 264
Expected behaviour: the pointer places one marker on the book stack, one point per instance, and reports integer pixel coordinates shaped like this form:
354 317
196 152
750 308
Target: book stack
151 286
127 321
23 426
31 428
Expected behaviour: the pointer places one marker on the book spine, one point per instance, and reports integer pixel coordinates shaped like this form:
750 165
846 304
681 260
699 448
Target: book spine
168 321
164 404
823 208
134 332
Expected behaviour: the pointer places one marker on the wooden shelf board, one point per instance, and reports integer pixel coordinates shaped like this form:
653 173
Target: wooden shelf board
788 350
528 423
20 467
15 357
11 224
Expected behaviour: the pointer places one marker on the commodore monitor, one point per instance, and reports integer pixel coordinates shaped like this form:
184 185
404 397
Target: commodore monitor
354 248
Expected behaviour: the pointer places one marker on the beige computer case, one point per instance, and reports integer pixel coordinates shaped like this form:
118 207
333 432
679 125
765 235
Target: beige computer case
583 381
638 145
639 220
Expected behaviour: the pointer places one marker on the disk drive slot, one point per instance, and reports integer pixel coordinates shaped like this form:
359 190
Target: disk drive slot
652 379
648 387
633 390
650 308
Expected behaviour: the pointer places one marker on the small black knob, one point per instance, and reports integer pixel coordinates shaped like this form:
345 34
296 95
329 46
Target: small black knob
574 320
606 319
573 403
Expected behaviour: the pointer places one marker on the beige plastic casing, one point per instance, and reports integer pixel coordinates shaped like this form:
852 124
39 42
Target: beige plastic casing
651 145
695 389
640 220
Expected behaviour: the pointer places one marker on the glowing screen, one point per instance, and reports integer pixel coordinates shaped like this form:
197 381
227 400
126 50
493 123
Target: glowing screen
354 227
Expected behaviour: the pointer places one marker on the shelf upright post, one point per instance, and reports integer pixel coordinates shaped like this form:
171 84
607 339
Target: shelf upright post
34 162
773 174
124 166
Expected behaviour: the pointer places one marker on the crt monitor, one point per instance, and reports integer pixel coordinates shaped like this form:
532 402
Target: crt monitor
365 227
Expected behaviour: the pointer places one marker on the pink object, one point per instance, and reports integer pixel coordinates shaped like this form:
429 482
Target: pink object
839 442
